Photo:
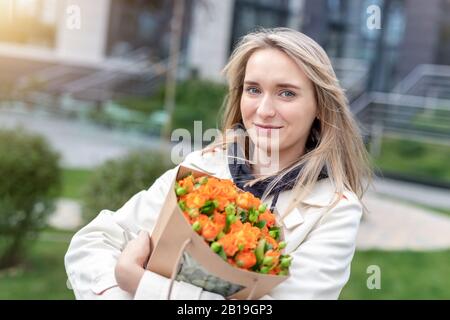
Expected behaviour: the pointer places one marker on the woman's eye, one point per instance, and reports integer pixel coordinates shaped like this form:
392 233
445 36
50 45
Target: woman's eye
288 94
252 90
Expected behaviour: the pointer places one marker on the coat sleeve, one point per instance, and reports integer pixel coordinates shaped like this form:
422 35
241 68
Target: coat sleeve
321 263
93 252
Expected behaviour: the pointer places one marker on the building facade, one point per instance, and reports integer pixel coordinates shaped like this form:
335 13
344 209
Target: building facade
96 33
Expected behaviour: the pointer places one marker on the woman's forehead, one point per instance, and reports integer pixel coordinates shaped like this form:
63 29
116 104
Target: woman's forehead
275 67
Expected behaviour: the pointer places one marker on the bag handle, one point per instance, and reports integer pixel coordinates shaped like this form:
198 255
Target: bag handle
252 292
176 266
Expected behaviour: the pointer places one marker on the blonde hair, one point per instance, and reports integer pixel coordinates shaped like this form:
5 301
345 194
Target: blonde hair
339 146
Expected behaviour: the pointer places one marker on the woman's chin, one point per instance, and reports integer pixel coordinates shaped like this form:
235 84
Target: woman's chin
264 143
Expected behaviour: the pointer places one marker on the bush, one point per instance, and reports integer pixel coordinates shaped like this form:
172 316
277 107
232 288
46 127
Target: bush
419 159
195 100
198 100
116 181
411 148
30 180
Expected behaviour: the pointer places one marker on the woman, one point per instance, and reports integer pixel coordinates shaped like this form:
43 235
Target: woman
307 160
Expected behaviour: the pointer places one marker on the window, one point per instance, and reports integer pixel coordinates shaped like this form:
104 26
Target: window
28 22
250 14
145 25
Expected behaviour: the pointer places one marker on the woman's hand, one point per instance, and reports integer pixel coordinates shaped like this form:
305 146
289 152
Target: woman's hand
130 266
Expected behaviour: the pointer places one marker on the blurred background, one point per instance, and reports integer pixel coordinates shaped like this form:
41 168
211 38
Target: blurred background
90 91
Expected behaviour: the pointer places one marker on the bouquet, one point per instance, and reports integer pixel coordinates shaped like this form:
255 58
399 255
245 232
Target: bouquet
234 223
213 235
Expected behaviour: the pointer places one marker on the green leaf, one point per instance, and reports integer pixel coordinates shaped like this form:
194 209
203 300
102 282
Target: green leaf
182 205
262 208
267 261
253 215
261 224
230 209
265 270
215 246
196 226
208 207
181 191
274 232
243 215
286 262
259 251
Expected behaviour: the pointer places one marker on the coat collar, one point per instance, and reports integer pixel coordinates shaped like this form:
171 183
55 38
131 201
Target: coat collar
216 164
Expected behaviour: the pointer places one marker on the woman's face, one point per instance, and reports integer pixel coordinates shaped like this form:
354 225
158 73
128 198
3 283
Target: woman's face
277 103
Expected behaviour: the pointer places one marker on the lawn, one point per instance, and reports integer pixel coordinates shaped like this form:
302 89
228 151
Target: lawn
404 275
42 275
74 181
413 158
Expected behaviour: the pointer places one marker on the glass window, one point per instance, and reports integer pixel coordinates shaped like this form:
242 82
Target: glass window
396 26
28 22
143 25
250 14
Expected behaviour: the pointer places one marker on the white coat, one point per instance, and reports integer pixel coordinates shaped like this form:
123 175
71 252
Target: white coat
321 242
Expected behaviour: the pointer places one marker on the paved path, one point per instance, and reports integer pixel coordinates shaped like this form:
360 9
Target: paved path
81 144
411 192
67 215
393 225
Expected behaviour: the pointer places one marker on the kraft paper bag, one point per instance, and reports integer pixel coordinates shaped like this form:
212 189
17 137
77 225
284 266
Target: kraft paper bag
179 253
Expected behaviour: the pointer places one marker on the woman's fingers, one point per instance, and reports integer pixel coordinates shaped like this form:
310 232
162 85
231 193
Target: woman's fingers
143 239
139 248
132 261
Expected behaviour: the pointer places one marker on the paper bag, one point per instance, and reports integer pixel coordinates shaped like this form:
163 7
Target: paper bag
179 253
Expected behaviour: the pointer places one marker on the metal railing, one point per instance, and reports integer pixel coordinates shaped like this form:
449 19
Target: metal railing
421 80
101 84
352 75
417 109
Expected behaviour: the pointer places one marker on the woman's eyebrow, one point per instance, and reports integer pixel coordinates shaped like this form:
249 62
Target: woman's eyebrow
288 85
281 85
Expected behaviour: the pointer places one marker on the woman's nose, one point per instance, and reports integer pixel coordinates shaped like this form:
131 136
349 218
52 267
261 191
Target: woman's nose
266 108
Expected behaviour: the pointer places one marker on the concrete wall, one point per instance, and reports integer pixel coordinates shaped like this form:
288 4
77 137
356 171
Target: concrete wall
210 37
88 43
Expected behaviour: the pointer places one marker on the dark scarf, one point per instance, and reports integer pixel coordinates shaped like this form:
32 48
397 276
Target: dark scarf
241 173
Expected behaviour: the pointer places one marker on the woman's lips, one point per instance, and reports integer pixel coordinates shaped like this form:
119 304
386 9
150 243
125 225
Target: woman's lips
266 128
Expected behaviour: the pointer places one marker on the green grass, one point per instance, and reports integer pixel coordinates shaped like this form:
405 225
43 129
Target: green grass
433 120
146 105
404 275
74 181
439 210
414 158
42 275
